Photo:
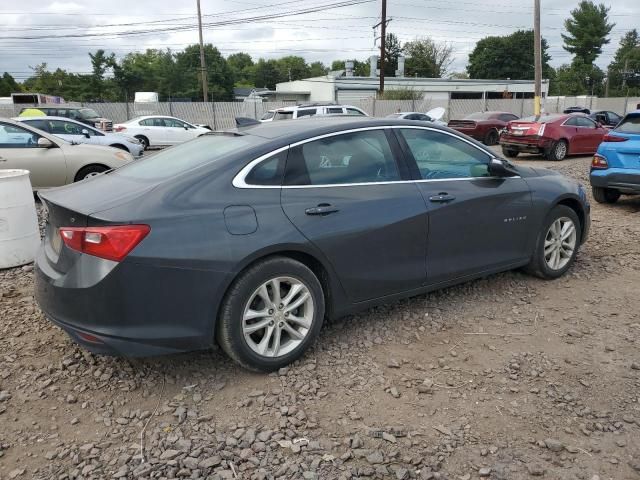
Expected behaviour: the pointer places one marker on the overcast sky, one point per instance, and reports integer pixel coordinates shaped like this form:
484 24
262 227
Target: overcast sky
327 35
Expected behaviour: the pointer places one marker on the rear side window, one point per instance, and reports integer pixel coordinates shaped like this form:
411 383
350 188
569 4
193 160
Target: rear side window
355 112
268 172
572 122
186 156
629 124
586 122
333 110
307 112
359 157
40 124
440 156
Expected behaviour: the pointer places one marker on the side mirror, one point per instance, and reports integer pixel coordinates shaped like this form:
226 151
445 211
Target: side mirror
85 132
186 127
45 143
499 168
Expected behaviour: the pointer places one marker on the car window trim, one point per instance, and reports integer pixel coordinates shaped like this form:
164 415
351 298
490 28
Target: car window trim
239 179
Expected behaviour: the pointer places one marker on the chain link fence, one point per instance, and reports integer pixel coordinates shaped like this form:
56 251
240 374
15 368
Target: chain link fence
222 115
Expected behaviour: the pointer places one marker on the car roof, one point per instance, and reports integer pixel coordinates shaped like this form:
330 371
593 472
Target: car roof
320 125
51 117
143 117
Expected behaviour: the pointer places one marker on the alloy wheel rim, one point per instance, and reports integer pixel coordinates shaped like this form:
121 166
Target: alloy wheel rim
278 316
560 243
561 150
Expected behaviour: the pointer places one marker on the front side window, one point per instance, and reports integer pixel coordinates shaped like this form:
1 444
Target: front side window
172 122
614 118
441 156
358 157
268 172
39 124
572 122
586 122
12 136
60 127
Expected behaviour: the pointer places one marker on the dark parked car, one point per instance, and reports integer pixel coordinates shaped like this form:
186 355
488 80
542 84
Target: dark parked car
606 118
82 114
577 110
483 126
251 238
554 136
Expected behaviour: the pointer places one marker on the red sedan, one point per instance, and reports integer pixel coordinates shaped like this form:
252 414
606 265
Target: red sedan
483 126
555 136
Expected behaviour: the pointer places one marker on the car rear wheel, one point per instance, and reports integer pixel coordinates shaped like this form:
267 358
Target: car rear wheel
90 171
557 244
143 140
509 153
558 151
605 195
491 138
271 314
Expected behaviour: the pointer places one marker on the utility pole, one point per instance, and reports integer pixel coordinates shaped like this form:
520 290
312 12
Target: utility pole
537 48
383 38
203 63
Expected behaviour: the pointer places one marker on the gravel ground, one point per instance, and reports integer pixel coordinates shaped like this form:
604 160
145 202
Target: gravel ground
508 377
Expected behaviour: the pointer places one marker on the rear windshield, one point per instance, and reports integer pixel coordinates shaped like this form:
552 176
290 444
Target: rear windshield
541 119
186 156
479 116
630 124
88 113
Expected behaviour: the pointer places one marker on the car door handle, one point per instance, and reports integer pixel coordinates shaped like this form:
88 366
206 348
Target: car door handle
442 197
322 209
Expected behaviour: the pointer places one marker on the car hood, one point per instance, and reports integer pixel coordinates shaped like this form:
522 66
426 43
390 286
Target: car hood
97 151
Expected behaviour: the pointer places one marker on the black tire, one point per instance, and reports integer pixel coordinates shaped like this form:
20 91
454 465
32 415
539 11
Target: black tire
90 171
558 151
491 138
230 331
143 140
605 195
509 153
119 147
538 265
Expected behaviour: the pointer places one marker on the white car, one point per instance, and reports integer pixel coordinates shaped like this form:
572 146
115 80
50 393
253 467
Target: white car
74 131
160 130
311 110
434 116
52 161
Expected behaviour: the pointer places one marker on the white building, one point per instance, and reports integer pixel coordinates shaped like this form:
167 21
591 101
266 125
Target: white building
342 87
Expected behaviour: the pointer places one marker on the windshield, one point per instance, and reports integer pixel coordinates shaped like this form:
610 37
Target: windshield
479 116
630 124
88 113
186 156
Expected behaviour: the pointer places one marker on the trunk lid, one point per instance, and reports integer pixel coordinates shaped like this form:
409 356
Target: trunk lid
623 154
525 129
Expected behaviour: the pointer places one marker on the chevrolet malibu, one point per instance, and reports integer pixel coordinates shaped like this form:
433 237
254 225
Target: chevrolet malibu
252 238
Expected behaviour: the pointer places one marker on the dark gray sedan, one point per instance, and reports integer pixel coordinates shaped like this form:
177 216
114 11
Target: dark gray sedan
252 238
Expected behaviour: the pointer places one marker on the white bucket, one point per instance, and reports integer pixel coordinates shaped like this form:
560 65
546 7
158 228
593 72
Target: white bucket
19 233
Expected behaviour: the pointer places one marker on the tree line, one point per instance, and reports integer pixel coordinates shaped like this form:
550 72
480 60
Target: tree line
177 75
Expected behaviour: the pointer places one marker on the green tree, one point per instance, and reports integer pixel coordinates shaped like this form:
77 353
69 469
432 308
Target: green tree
578 78
587 31
265 74
150 71
392 50
624 70
8 85
219 76
510 56
99 65
241 66
292 68
427 59
317 69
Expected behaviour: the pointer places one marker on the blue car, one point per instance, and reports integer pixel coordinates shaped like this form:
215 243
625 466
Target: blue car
615 169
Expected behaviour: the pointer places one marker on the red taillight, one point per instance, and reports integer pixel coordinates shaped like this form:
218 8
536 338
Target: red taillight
599 162
119 128
111 243
614 138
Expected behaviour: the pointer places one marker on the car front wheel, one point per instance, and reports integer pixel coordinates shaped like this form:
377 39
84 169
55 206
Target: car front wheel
271 314
605 195
557 244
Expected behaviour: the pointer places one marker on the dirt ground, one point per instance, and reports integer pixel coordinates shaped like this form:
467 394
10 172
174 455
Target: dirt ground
507 377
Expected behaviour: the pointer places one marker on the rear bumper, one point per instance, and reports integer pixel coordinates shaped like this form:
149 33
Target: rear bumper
623 180
525 144
130 309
